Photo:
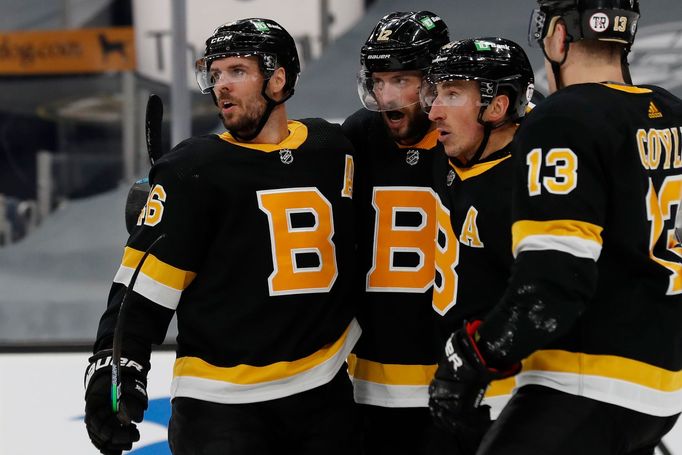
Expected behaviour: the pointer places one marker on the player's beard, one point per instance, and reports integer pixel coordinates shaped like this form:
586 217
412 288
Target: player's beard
415 125
246 122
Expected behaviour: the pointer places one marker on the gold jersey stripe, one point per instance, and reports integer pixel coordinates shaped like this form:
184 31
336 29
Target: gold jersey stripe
158 270
249 374
390 374
298 133
608 366
501 387
428 142
628 88
477 169
525 230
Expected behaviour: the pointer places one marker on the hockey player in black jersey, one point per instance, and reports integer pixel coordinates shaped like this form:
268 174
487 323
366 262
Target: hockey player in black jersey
476 91
396 144
594 303
256 263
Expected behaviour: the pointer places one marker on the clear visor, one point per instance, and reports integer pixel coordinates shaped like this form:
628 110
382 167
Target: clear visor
445 93
389 91
210 74
536 27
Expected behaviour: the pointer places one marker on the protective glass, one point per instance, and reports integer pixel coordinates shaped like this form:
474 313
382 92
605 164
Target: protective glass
209 76
444 93
536 27
388 91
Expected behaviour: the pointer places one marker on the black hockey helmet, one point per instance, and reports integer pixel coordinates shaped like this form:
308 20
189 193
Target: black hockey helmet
603 20
492 62
263 38
403 41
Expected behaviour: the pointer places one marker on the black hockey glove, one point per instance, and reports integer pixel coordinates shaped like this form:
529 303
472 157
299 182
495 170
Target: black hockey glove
106 432
459 385
137 198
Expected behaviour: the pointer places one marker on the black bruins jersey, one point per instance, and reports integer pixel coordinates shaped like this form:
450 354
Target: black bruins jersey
257 262
474 258
472 271
395 359
597 281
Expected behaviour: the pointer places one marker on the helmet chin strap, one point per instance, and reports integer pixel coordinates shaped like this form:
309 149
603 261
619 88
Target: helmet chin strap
488 128
625 66
270 104
556 66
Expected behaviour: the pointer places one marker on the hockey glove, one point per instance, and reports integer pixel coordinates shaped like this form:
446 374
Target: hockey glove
459 385
137 198
106 432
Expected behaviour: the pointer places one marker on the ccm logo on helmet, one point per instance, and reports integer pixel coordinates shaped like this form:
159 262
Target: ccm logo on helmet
221 38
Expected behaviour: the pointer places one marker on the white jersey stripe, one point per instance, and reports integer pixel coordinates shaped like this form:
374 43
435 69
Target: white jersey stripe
146 286
615 391
218 391
576 246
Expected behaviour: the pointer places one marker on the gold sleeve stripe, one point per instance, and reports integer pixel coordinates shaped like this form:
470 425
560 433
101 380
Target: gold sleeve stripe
501 387
390 374
429 141
248 374
298 133
578 238
613 367
477 169
158 270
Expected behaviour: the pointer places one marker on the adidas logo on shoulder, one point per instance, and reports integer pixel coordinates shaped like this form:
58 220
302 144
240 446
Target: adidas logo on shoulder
653 111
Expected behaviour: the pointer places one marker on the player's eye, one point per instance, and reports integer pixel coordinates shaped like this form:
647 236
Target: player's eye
238 73
215 76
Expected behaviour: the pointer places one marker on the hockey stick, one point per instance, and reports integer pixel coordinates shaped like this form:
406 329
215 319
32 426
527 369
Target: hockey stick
116 391
152 125
137 196
663 449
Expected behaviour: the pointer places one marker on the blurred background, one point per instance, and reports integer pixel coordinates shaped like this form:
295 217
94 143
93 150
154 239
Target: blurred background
74 79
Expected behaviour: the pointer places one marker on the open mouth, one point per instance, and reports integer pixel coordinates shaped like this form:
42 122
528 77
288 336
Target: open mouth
226 105
394 116
442 134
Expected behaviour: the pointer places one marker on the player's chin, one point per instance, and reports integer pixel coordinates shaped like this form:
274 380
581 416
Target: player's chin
240 129
404 133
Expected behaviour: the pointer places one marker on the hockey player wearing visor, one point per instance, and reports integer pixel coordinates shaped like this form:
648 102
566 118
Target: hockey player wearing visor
592 308
257 264
476 92
396 150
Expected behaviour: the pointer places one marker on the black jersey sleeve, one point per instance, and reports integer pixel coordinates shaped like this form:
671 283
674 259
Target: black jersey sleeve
559 208
179 207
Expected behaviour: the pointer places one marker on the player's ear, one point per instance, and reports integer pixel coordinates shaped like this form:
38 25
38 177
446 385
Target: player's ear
277 82
557 40
497 109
